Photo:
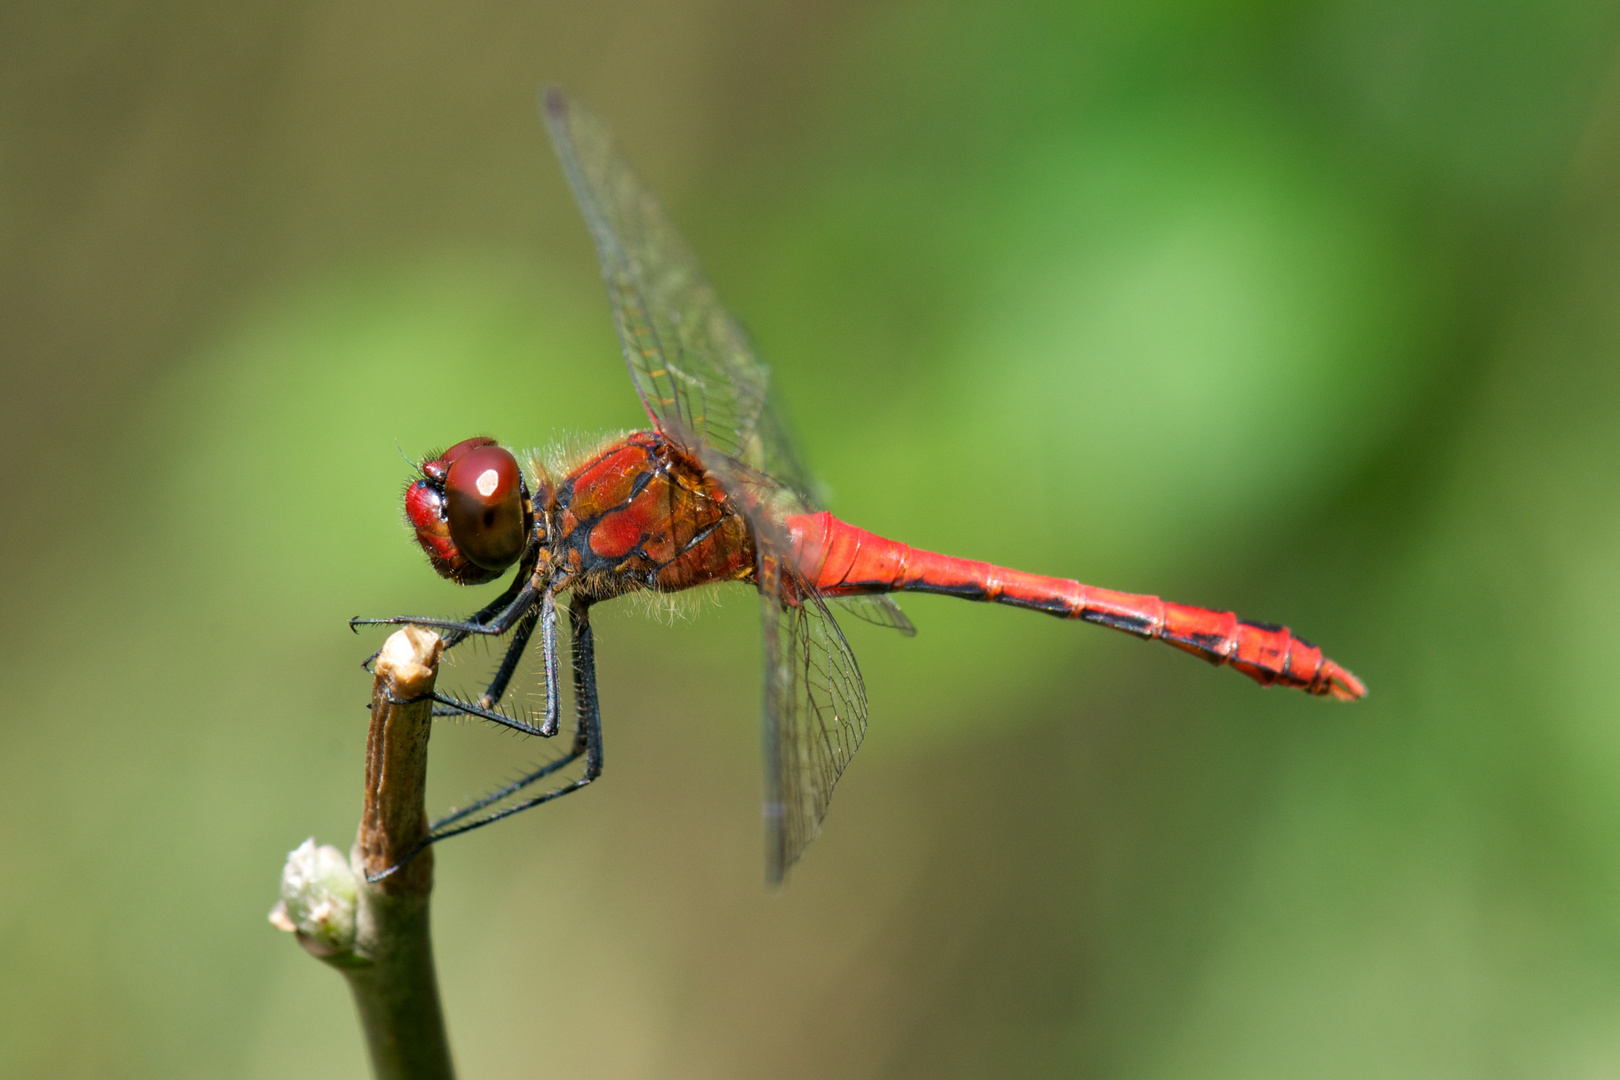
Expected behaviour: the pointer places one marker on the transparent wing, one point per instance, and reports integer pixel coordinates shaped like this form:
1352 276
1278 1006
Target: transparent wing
691 362
877 610
815 715
698 376
706 389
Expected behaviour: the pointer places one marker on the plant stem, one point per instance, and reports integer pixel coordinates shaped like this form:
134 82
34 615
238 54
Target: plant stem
385 952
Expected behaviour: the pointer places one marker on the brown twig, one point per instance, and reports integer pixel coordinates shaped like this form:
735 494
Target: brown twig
376 931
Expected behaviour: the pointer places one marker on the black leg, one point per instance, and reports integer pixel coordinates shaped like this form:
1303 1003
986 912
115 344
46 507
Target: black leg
485 707
500 793
454 706
514 655
500 624
586 704
483 614
587 743
456 637
548 649
546 614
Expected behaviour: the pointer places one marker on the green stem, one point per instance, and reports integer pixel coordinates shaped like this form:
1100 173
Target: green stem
377 932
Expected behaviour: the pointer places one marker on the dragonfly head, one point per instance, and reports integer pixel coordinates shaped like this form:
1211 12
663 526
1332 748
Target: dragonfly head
471 511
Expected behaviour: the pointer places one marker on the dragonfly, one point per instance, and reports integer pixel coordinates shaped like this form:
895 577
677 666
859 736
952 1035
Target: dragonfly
714 492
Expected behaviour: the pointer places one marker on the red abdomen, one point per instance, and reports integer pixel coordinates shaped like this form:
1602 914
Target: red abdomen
840 559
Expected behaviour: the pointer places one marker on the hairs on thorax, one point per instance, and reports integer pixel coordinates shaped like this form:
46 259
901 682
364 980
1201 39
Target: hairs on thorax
671 608
567 451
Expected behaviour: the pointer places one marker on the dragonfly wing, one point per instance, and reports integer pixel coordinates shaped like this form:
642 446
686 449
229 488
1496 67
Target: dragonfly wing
706 389
815 716
692 363
877 610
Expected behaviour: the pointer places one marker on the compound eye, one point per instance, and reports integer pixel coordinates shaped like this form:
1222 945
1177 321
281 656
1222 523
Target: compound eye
483 504
435 469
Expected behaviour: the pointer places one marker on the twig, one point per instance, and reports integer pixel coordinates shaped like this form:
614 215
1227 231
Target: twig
376 932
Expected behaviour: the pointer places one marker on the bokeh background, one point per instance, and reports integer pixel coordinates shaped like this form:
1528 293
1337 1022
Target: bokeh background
1306 308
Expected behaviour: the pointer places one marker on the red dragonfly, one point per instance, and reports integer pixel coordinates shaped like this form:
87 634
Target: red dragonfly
715 493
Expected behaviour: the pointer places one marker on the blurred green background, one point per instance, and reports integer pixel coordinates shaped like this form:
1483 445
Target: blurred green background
1306 309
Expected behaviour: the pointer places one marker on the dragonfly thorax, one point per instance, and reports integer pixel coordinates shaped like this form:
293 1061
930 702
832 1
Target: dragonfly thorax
641 513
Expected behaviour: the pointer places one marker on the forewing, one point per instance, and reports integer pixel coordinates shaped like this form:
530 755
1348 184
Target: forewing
815 716
691 362
705 388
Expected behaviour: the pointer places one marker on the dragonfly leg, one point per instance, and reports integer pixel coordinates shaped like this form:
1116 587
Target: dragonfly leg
548 648
455 637
460 628
587 744
488 611
514 655
449 705
439 829
495 618
586 704
546 616
486 705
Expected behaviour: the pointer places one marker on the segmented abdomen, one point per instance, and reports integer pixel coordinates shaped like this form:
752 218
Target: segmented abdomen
841 559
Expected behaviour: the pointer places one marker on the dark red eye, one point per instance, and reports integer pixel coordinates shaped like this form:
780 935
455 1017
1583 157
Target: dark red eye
436 469
483 503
